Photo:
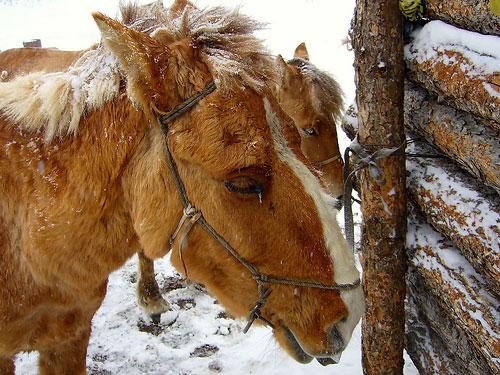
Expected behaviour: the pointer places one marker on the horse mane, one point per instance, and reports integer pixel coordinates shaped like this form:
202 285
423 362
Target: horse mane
226 42
326 94
54 103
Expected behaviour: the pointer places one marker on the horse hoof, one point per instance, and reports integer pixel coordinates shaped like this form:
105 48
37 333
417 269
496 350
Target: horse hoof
156 318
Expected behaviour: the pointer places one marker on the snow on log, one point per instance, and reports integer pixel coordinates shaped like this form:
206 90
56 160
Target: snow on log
461 67
452 296
463 137
476 15
427 348
464 211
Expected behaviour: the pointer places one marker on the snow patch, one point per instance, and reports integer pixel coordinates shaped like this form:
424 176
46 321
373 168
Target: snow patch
435 37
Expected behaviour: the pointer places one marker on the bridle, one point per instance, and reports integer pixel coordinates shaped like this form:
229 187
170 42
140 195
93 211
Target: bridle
322 163
192 216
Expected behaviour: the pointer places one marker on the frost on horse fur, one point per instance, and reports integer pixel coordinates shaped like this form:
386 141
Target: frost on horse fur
84 184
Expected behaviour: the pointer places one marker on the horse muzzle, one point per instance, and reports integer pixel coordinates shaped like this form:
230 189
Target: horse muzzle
326 357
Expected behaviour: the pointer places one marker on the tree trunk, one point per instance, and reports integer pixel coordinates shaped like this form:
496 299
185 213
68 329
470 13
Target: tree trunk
451 295
449 72
464 138
460 208
475 15
379 68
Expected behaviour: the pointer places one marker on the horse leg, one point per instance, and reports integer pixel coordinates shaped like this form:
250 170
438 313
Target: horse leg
68 358
7 366
148 291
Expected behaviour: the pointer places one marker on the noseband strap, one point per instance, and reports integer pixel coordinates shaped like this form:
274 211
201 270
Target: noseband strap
195 216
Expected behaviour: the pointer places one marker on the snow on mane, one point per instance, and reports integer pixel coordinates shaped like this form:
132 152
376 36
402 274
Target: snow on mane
326 94
226 42
54 103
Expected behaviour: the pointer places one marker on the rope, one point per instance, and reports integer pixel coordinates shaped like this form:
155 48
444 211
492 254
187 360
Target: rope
365 159
185 106
327 161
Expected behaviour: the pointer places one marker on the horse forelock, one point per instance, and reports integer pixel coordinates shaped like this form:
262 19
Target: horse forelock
226 43
326 94
144 18
54 103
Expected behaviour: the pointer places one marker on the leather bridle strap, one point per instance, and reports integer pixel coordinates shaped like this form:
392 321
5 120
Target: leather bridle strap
327 161
185 106
195 216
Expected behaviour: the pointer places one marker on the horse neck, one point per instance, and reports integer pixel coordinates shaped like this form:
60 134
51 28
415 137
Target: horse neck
151 198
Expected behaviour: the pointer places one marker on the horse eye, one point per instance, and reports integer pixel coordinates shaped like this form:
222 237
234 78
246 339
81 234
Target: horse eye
244 185
311 132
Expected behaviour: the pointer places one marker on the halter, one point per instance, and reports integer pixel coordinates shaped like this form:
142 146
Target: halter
322 163
194 216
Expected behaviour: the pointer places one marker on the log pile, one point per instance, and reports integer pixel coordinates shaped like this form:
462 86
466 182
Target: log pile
461 68
475 15
448 303
452 108
464 138
461 209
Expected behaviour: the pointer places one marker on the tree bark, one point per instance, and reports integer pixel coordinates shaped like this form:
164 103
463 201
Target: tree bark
460 208
379 69
452 75
473 15
451 295
463 137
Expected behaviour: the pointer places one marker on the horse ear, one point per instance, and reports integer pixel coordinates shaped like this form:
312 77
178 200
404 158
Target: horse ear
130 47
134 51
178 6
283 68
301 52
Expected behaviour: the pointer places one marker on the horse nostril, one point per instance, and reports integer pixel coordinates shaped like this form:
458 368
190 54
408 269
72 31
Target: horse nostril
335 340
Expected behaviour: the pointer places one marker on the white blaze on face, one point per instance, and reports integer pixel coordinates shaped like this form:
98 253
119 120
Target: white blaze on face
344 269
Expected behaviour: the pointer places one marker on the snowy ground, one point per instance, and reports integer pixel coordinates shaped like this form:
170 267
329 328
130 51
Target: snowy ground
196 337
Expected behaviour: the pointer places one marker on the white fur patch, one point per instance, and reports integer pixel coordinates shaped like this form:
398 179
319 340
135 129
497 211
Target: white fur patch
54 103
344 267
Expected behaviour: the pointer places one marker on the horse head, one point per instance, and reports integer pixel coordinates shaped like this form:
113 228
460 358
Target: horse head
313 100
228 156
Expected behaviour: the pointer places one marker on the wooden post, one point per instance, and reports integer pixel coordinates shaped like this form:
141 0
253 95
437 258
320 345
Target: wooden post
378 46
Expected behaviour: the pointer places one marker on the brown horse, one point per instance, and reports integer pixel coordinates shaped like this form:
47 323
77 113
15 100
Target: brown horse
20 61
317 131
313 99
88 175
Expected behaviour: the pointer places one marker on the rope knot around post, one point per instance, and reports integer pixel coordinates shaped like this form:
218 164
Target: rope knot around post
367 157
